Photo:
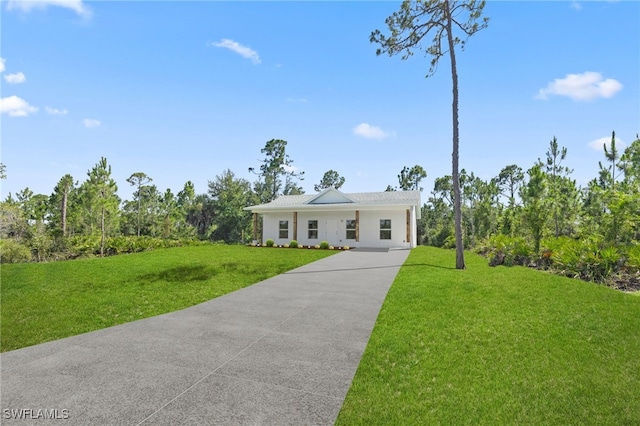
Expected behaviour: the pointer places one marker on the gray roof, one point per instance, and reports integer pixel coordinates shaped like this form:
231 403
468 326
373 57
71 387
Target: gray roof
352 200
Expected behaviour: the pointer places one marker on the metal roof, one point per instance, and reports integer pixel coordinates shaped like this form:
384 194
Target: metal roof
358 200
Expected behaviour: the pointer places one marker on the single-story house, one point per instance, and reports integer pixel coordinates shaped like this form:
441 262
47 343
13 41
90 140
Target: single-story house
369 219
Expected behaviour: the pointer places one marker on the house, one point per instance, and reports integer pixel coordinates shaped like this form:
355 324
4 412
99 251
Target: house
369 219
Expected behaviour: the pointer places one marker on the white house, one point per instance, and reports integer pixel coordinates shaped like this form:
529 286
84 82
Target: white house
370 219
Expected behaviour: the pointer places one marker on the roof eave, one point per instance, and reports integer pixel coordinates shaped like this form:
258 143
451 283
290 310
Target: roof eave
329 207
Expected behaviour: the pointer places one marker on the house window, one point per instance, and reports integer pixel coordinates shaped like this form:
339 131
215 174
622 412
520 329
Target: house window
313 229
385 229
351 229
284 229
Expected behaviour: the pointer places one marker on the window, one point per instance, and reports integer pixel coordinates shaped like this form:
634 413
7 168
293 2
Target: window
351 229
284 229
313 229
385 229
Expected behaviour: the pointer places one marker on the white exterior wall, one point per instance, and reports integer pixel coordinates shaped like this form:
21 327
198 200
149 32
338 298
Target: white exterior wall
332 228
370 228
271 230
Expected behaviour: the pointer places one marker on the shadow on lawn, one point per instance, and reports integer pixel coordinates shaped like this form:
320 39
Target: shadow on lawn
182 274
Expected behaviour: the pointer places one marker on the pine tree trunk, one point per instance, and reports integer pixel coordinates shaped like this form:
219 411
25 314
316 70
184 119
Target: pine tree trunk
138 210
65 197
102 230
457 208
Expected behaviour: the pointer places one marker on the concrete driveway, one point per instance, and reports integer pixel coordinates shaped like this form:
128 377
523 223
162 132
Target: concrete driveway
280 352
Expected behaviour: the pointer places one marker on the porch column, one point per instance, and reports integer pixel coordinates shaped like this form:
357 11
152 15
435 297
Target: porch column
255 226
295 226
408 225
357 226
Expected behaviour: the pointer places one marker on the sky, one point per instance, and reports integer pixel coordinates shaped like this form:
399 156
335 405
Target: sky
186 90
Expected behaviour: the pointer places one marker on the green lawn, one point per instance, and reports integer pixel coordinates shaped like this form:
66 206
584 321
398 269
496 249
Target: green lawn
497 346
47 301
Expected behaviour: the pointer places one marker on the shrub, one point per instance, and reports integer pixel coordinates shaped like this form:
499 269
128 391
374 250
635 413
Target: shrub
449 242
345 248
324 245
269 243
84 246
508 251
134 244
293 244
606 262
589 259
13 252
633 257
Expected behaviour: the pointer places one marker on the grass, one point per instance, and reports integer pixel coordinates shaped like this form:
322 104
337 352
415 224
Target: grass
497 346
49 301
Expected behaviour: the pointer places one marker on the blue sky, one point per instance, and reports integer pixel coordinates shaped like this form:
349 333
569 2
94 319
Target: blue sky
185 90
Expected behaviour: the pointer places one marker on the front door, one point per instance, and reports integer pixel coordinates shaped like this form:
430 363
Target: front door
331 232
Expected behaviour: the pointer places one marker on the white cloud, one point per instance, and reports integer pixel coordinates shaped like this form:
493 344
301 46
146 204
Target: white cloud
575 5
598 144
581 87
297 100
55 111
16 78
370 132
91 123
2 64
16 107
244 51
27 5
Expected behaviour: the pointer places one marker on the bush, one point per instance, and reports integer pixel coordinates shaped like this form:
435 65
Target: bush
269 243
633 258
508 251
84 246
293 244
324 245
13 252
449 242
589 259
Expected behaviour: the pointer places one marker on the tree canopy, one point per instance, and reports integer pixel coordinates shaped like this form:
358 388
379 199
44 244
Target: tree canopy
330 179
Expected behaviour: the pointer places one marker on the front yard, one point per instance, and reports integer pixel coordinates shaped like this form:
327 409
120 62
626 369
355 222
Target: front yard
497 346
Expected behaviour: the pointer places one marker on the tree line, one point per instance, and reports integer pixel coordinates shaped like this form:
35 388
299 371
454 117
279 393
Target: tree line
540 217
89 218
542 201
539 202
